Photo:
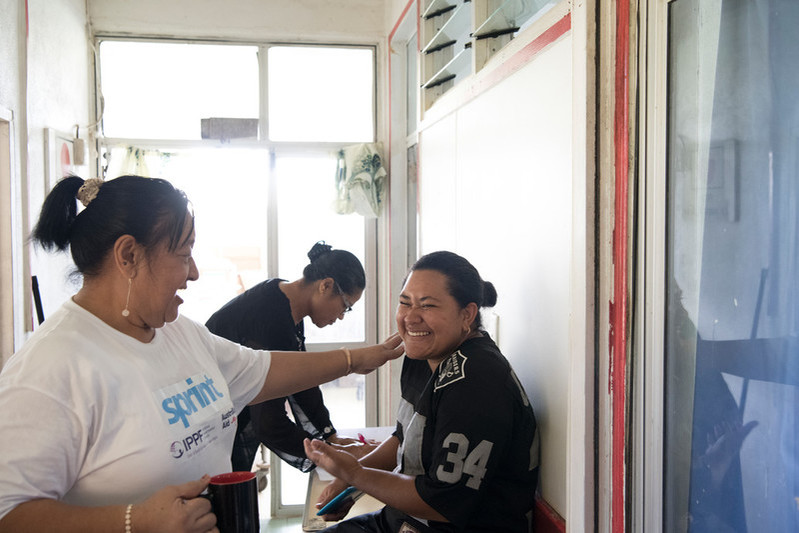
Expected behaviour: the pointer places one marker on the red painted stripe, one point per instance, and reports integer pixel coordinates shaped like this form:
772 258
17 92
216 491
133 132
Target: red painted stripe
522 57
546 519
618 308
400 19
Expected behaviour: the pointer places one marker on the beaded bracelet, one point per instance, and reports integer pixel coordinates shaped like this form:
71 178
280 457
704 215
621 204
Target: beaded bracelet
128 509
349 360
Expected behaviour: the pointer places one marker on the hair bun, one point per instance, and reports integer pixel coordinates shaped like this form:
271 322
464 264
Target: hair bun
489 294
319 249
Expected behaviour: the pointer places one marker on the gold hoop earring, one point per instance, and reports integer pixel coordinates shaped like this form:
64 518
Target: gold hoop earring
126 311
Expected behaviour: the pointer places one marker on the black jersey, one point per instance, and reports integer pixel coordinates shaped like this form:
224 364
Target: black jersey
469 435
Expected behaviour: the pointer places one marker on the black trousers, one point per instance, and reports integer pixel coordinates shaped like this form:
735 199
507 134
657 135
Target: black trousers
387 520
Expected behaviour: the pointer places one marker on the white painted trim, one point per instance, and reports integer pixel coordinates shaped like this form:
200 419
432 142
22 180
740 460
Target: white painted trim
580 481
653 170
20 284
394 252
8 327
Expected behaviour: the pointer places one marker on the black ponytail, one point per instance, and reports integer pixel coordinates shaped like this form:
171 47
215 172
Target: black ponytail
151 210
58 214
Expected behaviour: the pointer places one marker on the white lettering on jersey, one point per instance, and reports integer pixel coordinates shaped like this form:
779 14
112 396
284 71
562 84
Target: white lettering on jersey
451 369
459 463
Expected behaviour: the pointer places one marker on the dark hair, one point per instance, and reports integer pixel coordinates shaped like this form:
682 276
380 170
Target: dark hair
149 209
341 265
463 281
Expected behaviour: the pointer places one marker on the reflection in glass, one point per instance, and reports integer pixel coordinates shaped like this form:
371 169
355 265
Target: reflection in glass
732 358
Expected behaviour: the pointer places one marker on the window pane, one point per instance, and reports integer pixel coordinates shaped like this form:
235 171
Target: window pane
163 90
732 356
321 94
306 192
228 192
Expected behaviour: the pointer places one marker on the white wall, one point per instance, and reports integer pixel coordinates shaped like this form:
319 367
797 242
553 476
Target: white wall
299 20
496 187
43 83
58 93
10 43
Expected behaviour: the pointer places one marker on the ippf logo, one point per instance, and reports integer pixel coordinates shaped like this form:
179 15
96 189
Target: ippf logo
179 447
183 399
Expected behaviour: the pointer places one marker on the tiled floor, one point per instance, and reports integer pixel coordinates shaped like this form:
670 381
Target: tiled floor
275 525
281 525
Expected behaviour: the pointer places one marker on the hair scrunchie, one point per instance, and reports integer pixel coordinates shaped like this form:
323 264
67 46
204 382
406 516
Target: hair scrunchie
88 191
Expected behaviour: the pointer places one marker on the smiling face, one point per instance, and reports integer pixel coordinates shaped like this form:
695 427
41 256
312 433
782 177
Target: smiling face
154 300
430 321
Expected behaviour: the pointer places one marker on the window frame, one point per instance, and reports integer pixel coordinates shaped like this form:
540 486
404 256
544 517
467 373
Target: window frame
370 296
648 413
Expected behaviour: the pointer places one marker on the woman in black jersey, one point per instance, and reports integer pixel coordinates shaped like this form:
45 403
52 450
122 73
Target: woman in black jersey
269 316
466 435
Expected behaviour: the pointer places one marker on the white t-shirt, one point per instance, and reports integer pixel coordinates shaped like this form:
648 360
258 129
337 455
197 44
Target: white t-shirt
91 416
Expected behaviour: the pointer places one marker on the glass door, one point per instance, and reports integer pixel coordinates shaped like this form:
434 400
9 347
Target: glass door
731 398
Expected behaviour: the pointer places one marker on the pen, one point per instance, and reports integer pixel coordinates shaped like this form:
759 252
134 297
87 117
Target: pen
361 438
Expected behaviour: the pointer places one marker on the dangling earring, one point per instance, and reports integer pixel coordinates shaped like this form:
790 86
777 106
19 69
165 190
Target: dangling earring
126 312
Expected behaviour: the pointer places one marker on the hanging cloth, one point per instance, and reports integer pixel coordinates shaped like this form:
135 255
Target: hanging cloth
360 180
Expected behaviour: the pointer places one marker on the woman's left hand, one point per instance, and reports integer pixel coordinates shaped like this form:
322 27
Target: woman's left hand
338 463
365 360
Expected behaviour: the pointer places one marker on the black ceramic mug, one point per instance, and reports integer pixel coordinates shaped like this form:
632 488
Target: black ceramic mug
234 499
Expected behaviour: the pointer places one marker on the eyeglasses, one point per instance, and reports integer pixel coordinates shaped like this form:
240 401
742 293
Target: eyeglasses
347 305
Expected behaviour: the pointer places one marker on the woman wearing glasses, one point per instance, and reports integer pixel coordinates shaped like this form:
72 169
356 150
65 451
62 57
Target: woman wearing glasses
270 316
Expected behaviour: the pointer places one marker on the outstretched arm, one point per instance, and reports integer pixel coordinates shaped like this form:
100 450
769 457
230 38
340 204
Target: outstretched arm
292 372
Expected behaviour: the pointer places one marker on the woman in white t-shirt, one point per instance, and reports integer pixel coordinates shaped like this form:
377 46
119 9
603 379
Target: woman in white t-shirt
117 410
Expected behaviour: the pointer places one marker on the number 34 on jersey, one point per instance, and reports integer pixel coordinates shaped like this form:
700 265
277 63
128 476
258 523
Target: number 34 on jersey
460 462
